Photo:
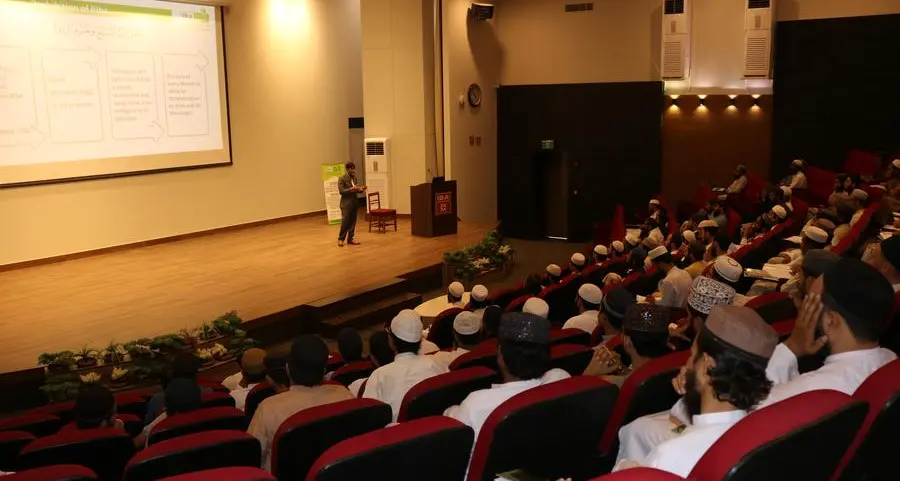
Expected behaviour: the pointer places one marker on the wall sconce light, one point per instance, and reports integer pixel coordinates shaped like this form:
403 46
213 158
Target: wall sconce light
756 100
731 100
675 101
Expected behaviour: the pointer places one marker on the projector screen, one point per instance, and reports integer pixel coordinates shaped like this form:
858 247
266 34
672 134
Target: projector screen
102 88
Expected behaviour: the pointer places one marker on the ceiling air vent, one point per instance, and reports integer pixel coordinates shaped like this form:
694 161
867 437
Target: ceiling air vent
579 7
675 7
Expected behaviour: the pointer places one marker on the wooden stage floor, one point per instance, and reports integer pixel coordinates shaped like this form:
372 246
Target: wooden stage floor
148 291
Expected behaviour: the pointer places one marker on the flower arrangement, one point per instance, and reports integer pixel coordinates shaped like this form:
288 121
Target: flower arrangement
205 355
115 353
87 357
90 378
58 361
476 259
218 351
118 374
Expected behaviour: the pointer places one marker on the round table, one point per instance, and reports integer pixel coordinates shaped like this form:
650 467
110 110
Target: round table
430 309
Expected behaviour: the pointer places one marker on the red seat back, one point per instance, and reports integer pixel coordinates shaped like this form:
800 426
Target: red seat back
773 307
617 229
258 394
194 452
441 330
207 419
572 335
517 303
353 371
225 474
572 358
432 396
59 472
647 390
561 298
436 448
103 451
133 425
574 410
37 424
307 434
640 474
11 442
802 437
63 410
820 184
872 455
502 297
212 399
861 163
734 222
484 355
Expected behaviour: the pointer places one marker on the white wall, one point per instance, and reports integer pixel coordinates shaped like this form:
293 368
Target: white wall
294 79
471 55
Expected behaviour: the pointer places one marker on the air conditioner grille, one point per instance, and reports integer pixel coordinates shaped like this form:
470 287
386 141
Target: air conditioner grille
579 7
757 55
674 7
759 3
673 59
375 148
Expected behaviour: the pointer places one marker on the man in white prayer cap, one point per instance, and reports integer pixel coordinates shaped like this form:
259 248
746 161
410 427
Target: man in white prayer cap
689 236
813 238
729 272
577 262
617 249
797 180
536 306
675 286
786 193
707 230
654 208
553 275
631 241
455 294
611 278
779 214
601 254
478 299
860 199
588 301
390 383
466 336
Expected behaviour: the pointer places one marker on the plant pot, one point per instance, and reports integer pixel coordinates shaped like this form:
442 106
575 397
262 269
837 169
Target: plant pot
82 363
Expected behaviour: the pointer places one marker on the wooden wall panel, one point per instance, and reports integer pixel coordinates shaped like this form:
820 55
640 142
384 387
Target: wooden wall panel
704 143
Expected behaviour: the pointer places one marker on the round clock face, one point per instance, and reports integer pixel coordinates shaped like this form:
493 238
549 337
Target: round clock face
474 95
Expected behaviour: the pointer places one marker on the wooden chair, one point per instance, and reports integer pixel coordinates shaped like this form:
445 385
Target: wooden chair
380 218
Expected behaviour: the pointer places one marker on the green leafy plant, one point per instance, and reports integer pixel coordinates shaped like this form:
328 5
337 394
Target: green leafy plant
490 253
208 331
115 353
57 360
167 344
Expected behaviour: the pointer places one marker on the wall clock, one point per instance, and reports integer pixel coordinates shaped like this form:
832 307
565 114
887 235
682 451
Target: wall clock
474 95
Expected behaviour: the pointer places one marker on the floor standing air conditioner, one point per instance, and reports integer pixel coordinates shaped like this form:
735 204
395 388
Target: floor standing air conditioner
758 23
676 40
378 169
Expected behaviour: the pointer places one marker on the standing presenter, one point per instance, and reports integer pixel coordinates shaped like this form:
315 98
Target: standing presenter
349 187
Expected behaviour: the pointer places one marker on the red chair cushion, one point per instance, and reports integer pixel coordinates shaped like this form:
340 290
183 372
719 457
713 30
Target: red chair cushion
207 419
60 472
194 452
37 424
441 330
105 451
432 396
240 473
383 211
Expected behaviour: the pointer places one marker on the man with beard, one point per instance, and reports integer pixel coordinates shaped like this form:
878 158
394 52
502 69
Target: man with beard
740 180
725 377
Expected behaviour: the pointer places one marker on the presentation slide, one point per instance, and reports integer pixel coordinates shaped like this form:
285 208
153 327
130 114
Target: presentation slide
95 88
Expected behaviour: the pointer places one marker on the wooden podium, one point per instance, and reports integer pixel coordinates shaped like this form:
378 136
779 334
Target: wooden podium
433 207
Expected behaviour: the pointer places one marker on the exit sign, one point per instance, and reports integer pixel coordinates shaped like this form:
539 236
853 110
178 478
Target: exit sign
547 144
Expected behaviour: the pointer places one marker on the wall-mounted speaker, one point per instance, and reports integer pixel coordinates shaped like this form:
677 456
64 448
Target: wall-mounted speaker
481 11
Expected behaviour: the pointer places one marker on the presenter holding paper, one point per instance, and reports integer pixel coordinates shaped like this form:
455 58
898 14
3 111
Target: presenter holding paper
349 187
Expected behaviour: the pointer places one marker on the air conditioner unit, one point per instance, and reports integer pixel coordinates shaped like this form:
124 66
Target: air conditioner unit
676 40
758 26
378 169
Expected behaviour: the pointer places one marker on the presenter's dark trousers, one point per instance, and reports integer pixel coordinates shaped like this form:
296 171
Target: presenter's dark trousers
348 223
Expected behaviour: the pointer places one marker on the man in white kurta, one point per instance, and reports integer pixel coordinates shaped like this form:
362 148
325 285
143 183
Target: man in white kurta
466 336
524 352
390 383
743 336
589 298
675 287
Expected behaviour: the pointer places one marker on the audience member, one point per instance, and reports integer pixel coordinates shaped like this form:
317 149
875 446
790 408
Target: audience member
455 294
611 278
885 257
536 306
716 213
182 395
588 302
380 353
478 300
740 180
696 264
306 368
490 322
719 247
636 261
390 383
707 229
645 336
577 262
553 275
797 179
466 336
533 284
601 254
815 262
613 307
253 372
675 286
617 250
95 407
184 365
786 194
276 373
523 357
845 211
631 241
860 199
729 272
725 377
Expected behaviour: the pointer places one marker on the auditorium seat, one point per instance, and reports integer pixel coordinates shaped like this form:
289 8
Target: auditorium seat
502 297
647 390
550 431
63 410
258 394
432 396
571 358
516 304
434 448
640 474
802 437
60 472
135 404
861 163
734 223
194 452
485 356
773 306
212 399
241 473
11 442
212 385
34 423
572 335
561 298
207 419
873 456
104 451
334 362
133 425
304 436
353 371
441 330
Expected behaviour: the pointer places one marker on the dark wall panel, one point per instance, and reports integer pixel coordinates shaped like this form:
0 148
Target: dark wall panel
609 136
837 88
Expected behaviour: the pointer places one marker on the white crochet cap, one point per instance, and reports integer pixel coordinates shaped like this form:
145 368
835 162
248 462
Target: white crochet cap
554 270
467 323
577 259
456 289
689 236
536 306
407 326
590 293
779 211
618 246
816 234
479 293
601 250
728 268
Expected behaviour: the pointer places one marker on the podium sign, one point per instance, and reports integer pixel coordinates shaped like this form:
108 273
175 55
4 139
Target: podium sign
443 203
433 208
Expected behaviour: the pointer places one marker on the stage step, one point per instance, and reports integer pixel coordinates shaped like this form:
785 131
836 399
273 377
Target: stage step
378 312
345 301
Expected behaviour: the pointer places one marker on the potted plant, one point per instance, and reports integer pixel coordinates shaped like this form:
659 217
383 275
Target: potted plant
59 388
57 361
115 354
219 352
206 356
167 343
90 378
208 331
119 377
188 337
